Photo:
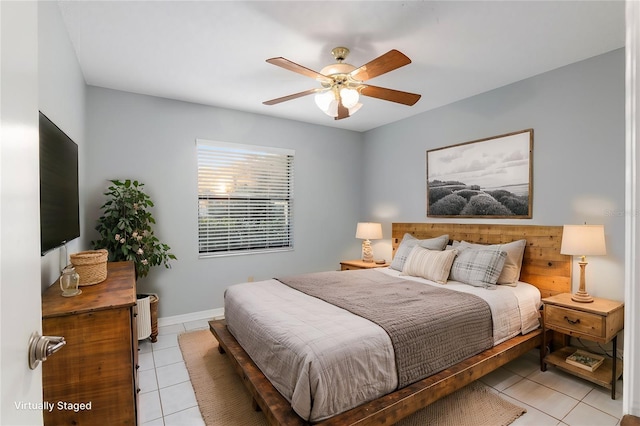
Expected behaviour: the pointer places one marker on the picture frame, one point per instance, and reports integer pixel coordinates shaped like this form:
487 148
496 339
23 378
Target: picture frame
484 178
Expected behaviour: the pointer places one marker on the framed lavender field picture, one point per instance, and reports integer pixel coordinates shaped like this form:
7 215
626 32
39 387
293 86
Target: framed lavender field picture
485 178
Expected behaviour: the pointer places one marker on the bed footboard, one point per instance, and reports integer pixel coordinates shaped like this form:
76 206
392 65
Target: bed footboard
387 409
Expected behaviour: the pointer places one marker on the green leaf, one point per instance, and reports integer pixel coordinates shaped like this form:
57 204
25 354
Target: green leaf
120 217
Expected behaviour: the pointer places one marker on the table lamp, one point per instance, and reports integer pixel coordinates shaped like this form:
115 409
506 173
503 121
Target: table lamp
368 231
583 240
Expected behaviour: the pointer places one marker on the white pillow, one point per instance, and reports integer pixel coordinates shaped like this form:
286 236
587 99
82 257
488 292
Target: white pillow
409 242
433 265
512 265
478 267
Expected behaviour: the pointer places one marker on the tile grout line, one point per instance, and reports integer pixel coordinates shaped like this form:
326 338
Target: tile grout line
183 330
578 401
155 372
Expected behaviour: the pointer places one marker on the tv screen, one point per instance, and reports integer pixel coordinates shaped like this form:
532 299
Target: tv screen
59 202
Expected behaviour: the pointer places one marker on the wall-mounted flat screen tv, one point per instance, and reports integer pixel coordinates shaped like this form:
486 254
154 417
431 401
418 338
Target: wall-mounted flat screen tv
59 201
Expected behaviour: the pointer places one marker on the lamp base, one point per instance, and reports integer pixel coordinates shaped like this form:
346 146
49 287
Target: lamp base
582 297
367 252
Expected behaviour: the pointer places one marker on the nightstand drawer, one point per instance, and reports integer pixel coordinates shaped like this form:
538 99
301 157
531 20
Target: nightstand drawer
575 322
350 265
344 267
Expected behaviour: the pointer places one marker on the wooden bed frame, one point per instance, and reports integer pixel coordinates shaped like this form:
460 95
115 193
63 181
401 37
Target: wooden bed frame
543 266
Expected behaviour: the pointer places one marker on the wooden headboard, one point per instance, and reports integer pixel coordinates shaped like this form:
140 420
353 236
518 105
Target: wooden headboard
542 265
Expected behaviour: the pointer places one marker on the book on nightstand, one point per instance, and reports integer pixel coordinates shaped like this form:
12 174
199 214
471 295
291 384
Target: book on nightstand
585 360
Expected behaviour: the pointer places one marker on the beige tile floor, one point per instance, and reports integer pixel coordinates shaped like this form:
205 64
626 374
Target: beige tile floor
551 398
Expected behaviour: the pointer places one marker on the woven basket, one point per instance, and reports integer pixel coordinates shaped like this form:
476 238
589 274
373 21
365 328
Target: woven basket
91 266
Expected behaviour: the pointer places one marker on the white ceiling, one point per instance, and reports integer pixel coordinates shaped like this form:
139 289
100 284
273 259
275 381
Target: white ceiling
214 52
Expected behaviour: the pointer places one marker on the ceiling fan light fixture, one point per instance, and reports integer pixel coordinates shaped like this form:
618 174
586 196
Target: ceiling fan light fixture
349 97
323 99
332 109
328 103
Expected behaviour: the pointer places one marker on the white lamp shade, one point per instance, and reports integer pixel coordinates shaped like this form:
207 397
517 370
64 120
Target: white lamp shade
369 231
349 97
332 109
323 99
328 103
583 240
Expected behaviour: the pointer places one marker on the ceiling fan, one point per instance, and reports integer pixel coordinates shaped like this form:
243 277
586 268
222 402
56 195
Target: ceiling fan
341 84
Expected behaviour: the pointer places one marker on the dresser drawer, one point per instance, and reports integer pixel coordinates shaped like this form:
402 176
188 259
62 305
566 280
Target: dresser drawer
575 322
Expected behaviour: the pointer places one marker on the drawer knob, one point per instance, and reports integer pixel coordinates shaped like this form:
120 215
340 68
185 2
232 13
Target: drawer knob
573 322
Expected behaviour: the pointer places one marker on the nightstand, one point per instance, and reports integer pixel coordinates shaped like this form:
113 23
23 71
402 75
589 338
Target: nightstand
349 265
599 321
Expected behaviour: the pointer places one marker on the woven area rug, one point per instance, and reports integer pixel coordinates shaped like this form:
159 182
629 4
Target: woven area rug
224 401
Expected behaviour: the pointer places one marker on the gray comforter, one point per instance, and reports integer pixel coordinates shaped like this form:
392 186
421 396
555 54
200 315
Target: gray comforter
325 359
430 328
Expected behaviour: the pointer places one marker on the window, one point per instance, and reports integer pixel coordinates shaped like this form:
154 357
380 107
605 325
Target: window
245 198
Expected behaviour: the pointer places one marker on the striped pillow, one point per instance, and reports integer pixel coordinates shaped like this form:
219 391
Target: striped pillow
409 242
430 264
478 267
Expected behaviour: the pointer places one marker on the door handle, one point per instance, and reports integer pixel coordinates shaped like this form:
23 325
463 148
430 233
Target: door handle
41 347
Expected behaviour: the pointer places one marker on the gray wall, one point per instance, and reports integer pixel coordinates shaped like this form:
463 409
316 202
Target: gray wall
153 140
61 97
577 113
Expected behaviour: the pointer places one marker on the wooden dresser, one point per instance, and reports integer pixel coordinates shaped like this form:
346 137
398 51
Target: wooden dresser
93 379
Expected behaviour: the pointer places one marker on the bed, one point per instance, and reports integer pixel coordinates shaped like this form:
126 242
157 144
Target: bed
542 267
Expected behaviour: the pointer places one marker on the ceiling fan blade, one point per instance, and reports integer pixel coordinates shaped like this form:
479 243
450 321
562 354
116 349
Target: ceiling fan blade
292 66
290 97
390 61
397 96
343 112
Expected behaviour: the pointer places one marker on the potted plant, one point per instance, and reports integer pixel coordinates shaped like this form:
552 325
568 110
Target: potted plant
125 228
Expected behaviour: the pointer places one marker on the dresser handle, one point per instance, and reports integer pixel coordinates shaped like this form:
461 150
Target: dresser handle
572 321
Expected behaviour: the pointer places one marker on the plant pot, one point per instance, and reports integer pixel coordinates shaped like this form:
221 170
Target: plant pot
144 316
147 319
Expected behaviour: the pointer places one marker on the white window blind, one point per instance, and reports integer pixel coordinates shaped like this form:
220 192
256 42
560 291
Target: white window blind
245 198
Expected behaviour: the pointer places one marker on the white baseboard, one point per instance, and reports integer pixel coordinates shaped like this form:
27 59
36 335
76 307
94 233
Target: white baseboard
193 316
